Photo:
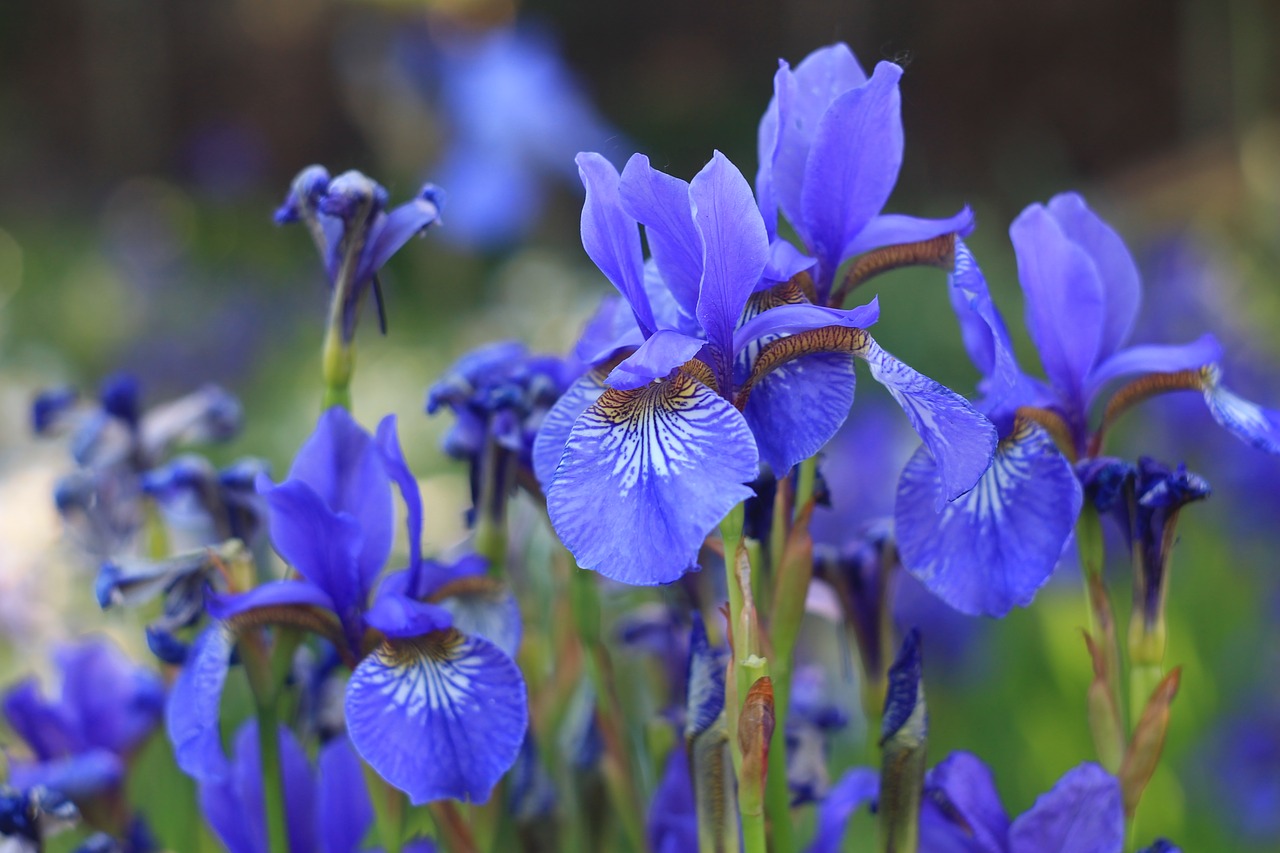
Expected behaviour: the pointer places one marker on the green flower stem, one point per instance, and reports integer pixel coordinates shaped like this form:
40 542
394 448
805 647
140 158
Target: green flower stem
806 478
338 363
496 472
260 669
1092 554
618 772
388 809
777 794
735 693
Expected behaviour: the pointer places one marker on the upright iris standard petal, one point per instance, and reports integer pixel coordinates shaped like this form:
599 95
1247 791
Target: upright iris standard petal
962 806
860 785
554 431
342 464
1122 288
441 716
1247 421
191 717
994 547
398 469
960 440
611 238
655 358
735 248
646 475
1066 301
852 166
1083 813
660 203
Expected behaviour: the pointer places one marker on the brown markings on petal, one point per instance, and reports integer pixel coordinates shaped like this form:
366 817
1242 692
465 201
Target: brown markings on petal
474 585
1053 424
438 646
699 370
304 617
937 252
1143 388
777 353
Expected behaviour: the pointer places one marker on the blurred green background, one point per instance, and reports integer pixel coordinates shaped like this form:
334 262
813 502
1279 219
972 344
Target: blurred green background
144 145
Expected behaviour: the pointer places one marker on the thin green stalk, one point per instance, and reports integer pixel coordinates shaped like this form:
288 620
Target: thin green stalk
388 810
753 836
272 779
735 692
806 479
777 793
1090 544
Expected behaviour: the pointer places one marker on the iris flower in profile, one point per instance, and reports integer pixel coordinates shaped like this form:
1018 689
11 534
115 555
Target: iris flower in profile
639 465
996 546
830 147
437 709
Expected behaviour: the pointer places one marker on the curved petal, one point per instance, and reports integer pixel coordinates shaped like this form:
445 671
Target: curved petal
962 808
75 776
397 228
1066 304
271 594
960 439
661 204
322 545
785 262
401 616
343 808
735 248
646 475
766 153
1121 285
796 409
801 317
388 442
986 338
993 548
655 359
1083 813
672 823
440 717
341 463
611 328
611 237
553 433
860 785
1154 358
116 703
852 167
47 727
891 229
800 98
192 715
1249 422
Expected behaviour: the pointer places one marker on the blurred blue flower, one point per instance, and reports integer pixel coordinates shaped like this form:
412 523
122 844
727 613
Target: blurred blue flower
515 115
82 740
1239 770
961 810
435 708
830 147
996 547
327 810
29 817
640 465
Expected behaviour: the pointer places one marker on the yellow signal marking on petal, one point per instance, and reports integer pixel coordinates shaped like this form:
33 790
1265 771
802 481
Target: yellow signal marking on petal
438 646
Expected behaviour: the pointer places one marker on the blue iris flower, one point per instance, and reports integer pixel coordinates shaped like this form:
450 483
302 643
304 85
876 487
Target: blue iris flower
436 708
830 146
327 809
515 115
639 465
354 233
82 740
994 548
961 810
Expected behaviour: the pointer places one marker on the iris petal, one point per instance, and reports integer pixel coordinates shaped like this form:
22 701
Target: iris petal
660 202
960 440
852 167
1249 422
655 358
438 717
388 441
860 785
75 776
796 409
646 475
397 228
1083 812
401 616
994 547
611 237
343 808
1155 358
891 229
971 814
553 433
271 594
192 714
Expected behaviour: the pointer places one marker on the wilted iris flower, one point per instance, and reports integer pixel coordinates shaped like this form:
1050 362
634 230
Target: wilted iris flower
996 546
640 464
961 810
327 809
830 146
435 708
515 116
81 741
